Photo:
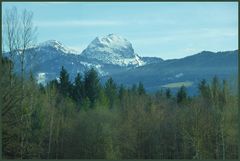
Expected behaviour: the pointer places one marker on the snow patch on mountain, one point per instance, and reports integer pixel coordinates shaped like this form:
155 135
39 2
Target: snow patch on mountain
98 67
179 75
58 46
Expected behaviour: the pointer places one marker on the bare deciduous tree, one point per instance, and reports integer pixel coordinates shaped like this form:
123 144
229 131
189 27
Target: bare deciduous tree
19 34
10 25
27 36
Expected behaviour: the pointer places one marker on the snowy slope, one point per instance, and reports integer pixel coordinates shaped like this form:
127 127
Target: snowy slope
113 49
58 46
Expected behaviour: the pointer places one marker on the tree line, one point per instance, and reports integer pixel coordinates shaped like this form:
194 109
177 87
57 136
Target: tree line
85 119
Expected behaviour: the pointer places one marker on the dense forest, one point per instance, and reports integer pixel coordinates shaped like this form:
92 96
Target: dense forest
86 119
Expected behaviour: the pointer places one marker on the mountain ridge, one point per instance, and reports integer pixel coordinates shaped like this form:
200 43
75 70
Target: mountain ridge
126 67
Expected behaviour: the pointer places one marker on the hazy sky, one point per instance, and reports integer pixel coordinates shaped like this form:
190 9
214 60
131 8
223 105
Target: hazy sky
162 29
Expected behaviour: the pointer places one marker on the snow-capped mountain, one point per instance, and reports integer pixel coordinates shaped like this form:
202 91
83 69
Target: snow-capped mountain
114 56
56 45
108 55
113 49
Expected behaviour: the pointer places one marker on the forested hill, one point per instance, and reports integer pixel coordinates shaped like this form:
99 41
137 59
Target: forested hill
84 119
188 71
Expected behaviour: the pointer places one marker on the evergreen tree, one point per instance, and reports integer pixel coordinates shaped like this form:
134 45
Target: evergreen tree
64 84
168 93
181 95
204 89
92 86
78 89
122 94
41 88
111 92
205 92
141 90
134 89
215 89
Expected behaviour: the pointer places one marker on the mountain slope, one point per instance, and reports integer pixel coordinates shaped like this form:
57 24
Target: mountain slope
114 56
193 68
108 55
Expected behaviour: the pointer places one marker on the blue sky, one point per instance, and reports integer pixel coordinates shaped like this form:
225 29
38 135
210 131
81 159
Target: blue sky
163 29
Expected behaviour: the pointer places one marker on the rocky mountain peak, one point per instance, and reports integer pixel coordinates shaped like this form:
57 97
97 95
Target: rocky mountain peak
112 49
57 45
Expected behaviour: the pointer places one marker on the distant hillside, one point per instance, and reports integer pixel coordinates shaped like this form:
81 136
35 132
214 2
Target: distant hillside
114 56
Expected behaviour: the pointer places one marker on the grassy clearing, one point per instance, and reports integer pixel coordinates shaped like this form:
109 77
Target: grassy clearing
178 84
